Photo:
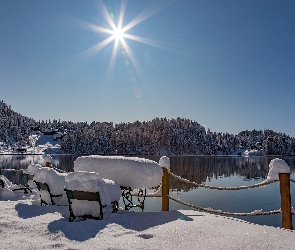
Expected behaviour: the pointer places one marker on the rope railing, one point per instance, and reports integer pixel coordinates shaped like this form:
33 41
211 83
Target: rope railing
285 210
210 210
265 183
59 170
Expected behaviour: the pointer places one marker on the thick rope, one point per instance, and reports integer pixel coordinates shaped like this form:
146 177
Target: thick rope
265 183
292 180
210 210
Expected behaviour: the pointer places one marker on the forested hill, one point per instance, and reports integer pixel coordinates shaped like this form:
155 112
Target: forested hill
14 127
178 136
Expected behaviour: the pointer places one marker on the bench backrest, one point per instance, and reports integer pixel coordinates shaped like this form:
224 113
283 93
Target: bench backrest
81 195
2 183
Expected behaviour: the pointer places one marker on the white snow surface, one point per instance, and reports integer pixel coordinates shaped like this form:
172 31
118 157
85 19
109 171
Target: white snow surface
277 166
27 226
133 172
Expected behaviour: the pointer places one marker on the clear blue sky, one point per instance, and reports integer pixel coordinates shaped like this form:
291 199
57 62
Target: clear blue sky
229 65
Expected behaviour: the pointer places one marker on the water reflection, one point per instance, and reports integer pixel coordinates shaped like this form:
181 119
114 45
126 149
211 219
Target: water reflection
199 169
203 169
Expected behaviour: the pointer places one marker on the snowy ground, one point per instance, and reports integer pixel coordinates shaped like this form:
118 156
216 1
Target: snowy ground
44 144
27 226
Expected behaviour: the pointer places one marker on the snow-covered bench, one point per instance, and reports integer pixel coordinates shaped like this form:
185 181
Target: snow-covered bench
50 184
7 188
90 196
129 172
29 174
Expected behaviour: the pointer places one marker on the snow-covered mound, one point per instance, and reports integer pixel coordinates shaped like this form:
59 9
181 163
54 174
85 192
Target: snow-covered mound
133 172
109 191
277 166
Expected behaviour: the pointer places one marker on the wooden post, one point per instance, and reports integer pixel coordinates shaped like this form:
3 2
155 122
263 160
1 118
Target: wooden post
285 200
165 190
48 160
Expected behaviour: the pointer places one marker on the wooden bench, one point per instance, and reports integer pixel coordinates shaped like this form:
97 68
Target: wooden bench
28 178
87 196
25 189
44 187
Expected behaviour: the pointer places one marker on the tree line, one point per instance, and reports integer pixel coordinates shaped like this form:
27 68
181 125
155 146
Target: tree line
178 136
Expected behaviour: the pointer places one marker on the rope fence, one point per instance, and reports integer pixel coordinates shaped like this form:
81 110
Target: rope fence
284 179
220 188
285 209
210 210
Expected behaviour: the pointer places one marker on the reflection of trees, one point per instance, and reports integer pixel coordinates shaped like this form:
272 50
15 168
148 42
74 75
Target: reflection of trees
64 162
204 168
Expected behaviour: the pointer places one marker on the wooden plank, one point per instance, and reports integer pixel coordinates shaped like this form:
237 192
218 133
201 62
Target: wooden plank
81 195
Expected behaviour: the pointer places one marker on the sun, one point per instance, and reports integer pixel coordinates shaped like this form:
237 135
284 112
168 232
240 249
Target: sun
118 34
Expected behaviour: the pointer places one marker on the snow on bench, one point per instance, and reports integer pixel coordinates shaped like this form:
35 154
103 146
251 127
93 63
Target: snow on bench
91 196
30 172
133 172
8 189
56 183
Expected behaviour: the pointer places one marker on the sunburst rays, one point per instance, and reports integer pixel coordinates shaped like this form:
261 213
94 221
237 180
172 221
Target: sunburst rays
118 34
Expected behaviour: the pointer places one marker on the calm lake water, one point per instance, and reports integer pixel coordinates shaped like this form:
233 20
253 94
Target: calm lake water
211 170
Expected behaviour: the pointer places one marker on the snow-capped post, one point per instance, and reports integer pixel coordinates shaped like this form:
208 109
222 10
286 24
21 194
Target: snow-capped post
165 164
285 200
279 170
48 160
